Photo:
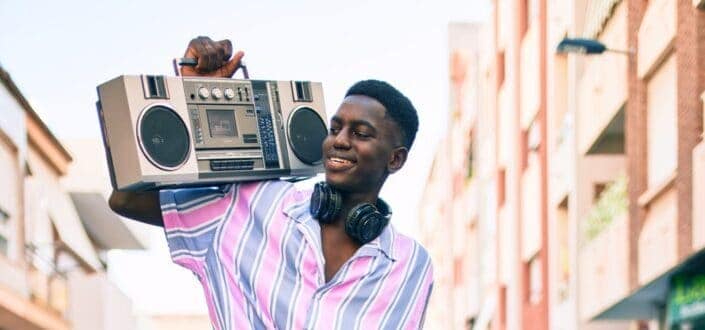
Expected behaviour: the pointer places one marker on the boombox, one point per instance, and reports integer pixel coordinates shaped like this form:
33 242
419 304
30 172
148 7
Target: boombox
162 131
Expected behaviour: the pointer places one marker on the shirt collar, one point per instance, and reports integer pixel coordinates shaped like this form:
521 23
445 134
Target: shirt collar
299 212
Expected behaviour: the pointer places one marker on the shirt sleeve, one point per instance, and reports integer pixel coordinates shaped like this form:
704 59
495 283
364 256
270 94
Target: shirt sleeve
191 218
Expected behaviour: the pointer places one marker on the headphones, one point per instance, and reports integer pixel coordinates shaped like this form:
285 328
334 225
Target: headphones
364 222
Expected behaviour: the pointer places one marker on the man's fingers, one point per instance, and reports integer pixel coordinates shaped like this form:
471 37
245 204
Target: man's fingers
225 49
228 70
213 57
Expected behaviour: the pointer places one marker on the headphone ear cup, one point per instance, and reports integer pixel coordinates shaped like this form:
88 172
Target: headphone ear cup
317 201
325 203
362 223
371 226
334 203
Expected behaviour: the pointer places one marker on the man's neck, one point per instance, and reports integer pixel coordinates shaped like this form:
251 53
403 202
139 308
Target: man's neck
338 247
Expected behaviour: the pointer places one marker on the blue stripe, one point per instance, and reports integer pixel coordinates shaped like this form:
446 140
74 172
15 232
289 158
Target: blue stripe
375 285
354 293
258 239
217 299
414 298
182 199
241 240
195 243
297 281
425 305
213 261
287 263
243 261
318 295
412 280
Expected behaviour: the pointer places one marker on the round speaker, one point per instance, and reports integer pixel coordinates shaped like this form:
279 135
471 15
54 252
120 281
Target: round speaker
306 134
163 137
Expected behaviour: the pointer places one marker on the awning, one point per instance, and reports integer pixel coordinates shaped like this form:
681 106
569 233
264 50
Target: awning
71 231
648 301
107 229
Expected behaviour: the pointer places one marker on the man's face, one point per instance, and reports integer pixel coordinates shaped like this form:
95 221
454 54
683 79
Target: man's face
362 146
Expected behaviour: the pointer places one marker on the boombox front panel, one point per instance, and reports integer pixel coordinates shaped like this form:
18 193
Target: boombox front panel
292 101
139 105
234 130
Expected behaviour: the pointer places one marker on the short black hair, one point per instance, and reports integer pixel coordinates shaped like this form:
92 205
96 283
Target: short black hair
398 106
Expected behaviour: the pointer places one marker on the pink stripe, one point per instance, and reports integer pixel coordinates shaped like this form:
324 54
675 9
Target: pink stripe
272 259
238 309
198 215
331 301
209 297
420 303
403 247
309 284
231 233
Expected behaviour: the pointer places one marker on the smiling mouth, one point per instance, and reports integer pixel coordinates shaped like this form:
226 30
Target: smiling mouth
337 163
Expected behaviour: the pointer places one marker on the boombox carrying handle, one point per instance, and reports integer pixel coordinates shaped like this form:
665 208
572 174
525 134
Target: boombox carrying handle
178 62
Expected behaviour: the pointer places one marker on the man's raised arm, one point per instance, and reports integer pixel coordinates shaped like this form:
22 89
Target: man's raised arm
140 206
215 59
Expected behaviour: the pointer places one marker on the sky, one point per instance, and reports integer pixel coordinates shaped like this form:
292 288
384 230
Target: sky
57 52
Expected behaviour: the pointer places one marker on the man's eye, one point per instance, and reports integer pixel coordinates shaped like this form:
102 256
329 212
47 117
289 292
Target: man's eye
334 130
361 134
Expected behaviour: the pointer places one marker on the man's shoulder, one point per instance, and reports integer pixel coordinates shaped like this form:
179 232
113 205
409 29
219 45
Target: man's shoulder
407 248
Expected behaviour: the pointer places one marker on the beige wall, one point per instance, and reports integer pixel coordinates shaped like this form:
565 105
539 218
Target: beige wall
658 250
598 98
699 197
10 201
656 34
96 303
662 137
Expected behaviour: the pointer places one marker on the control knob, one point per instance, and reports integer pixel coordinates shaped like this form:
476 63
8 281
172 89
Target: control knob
217 93
204 93
229 93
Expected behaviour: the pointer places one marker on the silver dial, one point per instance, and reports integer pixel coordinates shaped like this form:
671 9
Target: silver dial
229 93
217 93
204 93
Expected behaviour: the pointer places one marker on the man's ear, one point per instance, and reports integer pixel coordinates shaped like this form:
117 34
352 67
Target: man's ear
397 159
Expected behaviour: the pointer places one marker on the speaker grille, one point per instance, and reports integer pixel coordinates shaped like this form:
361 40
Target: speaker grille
164 138
306 134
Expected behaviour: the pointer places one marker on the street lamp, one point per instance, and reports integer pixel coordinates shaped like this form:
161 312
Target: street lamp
585 46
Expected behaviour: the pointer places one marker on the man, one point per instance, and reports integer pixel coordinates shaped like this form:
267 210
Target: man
270 256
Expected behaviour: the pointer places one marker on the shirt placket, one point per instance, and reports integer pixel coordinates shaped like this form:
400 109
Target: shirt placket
314 308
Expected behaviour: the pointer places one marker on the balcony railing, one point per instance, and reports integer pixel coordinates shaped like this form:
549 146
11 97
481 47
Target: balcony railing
613 202
604 254
604 269
47 284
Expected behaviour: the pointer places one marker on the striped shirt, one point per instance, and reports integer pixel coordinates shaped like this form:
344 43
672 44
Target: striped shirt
257 252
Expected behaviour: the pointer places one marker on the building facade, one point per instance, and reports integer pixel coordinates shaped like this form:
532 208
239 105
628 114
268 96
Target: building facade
53 274
589 169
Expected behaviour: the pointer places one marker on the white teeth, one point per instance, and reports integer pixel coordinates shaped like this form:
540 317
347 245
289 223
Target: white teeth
339 160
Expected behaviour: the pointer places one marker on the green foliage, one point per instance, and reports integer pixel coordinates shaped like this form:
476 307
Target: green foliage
612 203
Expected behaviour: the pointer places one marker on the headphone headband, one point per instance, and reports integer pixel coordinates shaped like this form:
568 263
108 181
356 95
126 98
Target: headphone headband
363 223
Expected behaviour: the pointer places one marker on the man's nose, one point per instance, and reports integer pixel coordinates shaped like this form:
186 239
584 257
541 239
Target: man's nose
342 140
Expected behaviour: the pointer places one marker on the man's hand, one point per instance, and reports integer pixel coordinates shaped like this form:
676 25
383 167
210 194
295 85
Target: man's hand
214 58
